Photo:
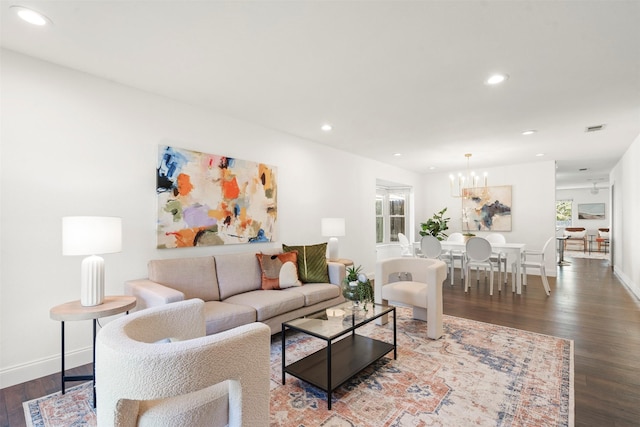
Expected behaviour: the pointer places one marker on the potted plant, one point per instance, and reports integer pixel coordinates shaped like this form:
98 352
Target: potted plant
357 287
436 226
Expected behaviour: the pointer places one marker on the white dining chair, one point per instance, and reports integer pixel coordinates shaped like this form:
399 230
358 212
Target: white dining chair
430 247
499 257
456 255
538 262
478 254
406 248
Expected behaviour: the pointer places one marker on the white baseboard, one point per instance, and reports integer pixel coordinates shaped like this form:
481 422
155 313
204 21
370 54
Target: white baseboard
626 280
34 369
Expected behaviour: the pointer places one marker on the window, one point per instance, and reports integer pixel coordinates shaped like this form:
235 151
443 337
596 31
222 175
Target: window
391 213
564 213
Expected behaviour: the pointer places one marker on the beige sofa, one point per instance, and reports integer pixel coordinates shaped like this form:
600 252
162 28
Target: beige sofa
230 285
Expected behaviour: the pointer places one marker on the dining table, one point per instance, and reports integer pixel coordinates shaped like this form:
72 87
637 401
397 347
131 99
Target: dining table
512 250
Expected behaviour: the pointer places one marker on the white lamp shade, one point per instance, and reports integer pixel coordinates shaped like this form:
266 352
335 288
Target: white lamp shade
333 227
90 235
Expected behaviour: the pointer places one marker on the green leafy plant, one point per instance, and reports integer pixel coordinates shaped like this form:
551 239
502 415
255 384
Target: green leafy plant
436 226
357 287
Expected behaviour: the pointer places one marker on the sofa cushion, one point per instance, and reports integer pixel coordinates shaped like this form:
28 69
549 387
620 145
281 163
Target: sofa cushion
237 273
279 271
312 262
317 292
194 277
269 303
220 316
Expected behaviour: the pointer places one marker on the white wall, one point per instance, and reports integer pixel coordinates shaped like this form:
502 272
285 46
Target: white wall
625 181
583 195
74 144
533 204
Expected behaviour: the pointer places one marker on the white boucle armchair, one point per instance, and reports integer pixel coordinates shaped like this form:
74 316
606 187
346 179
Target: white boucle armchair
157 367
413 282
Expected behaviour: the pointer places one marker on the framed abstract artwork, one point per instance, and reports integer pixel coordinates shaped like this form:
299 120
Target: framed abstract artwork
486 208
208 199
591 211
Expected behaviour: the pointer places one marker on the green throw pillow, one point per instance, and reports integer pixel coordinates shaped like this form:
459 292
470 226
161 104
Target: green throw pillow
312 262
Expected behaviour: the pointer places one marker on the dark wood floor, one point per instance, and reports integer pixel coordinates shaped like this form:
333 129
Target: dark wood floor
587 304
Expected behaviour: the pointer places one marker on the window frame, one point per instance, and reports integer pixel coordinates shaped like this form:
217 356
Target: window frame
568 222
385 194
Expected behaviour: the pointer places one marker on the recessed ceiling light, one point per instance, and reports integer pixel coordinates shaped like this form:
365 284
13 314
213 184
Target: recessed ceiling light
397 154
326 127
529 132
539 154
431 168
496 79
30 16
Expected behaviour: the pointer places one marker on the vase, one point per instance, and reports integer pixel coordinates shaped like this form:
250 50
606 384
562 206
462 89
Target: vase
350 292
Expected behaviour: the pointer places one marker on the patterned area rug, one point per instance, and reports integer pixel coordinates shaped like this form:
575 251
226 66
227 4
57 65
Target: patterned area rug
477 374
74 408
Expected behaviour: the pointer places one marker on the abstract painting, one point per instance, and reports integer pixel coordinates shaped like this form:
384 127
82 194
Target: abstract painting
591 211
486 209
207 199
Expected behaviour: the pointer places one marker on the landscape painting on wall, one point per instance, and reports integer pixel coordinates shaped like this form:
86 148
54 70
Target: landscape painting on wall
591 211
207 199
486 209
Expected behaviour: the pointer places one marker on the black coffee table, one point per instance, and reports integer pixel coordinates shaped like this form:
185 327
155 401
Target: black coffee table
346 353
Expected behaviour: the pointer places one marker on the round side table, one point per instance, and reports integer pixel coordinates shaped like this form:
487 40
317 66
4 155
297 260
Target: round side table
73 310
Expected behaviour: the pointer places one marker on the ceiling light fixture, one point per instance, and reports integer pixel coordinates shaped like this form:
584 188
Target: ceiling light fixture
529 132
460 183
539 154
397 154
496 79
595 190
31 16
326 127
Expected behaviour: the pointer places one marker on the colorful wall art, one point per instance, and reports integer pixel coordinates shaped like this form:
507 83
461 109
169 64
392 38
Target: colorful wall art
591 211
207 199
486 209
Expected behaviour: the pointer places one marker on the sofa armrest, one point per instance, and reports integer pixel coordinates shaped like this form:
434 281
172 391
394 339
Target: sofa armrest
337 272
151 294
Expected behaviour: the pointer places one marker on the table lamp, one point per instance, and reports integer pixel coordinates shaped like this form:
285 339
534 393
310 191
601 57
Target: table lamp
333 228
91 235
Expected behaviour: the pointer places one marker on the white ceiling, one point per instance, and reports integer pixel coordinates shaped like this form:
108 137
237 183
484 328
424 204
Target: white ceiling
390 76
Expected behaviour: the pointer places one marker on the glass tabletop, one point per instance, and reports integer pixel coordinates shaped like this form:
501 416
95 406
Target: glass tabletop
337 320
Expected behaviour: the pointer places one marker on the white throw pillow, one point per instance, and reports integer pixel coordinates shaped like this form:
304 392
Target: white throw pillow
289 275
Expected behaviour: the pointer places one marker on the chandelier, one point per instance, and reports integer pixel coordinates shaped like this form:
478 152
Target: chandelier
461 181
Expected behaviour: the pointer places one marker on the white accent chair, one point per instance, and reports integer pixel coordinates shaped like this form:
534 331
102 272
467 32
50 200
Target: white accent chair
413 282
430 247
527 262
478 254
156 367
406 248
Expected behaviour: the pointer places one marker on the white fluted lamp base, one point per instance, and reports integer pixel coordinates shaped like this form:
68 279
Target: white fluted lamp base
92 281
333 249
